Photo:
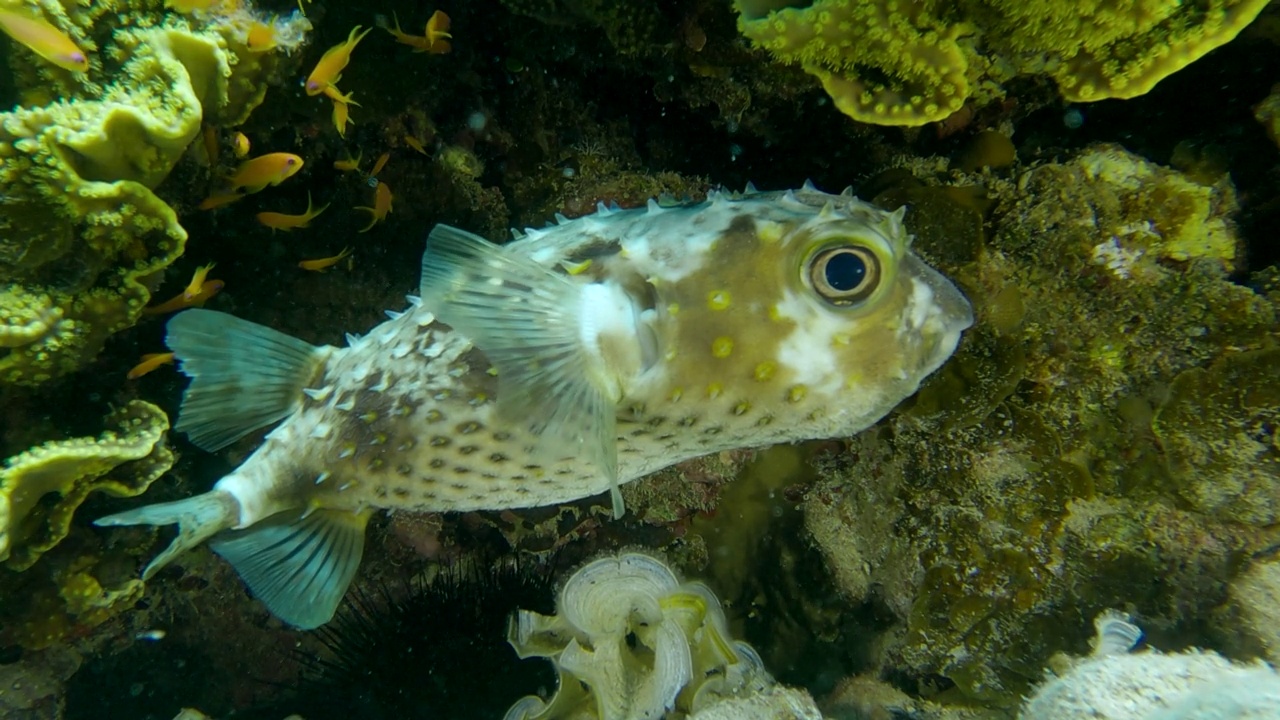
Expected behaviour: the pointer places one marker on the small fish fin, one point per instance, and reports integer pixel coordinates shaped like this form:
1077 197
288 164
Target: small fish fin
243 375
527 319
298 564
197 519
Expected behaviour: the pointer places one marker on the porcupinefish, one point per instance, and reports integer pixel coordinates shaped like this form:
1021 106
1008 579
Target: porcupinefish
551 368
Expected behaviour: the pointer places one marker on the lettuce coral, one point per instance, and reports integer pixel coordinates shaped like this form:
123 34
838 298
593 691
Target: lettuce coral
629 640
123 462
83 232
914 62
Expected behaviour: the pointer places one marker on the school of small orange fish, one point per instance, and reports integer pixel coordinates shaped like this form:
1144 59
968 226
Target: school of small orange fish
256 173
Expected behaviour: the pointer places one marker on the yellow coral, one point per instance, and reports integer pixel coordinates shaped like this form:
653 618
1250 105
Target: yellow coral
123 462
881 63
82 230
909 62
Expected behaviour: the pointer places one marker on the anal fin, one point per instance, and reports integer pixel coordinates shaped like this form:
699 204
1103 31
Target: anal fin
243 375
298 564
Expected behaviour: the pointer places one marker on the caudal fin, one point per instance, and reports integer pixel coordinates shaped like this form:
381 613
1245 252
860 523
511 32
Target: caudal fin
197 518
299 564
243 375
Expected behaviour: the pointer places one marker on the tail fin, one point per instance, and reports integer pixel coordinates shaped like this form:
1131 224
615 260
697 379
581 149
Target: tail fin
243 375
299 564
197 519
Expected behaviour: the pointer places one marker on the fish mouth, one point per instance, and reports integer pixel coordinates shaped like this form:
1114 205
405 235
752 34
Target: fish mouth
949 316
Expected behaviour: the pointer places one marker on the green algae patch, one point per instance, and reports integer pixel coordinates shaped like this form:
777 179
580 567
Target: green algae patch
1219 431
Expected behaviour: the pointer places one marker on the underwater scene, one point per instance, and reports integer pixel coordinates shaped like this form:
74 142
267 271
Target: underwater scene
640 359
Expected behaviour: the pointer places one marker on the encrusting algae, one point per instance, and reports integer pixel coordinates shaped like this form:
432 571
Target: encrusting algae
557 367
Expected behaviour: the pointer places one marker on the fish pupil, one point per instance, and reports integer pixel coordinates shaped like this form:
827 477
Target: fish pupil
845 271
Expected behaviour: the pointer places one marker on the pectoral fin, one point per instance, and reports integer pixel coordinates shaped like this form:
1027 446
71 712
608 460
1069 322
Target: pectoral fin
528 320
299 565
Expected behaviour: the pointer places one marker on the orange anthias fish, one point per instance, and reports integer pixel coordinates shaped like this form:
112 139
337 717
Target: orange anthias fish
329 70
211 145
351 163
270 169
324 263
180 301
381 206
150 361
261 36
44 40
380 163
196 286
281 221
432 40
217 200
414 143
239 145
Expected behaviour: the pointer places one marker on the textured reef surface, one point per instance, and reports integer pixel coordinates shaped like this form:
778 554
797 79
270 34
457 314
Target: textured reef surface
1101 454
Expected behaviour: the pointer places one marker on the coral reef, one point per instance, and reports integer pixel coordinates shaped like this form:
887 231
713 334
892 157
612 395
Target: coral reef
84 233
123 462
1106 434
915 62
1099 440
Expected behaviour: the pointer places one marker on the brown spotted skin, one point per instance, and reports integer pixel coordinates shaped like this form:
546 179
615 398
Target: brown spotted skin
740 352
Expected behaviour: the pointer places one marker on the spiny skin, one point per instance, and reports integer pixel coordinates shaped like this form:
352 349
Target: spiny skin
732 347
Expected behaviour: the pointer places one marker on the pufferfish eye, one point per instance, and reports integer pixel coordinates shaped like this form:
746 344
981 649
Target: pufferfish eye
846 274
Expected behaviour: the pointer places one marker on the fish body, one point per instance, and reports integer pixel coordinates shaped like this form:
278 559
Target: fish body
150 361
181 302
257 173
44 40
239 145
328 71
432 40
261 36
284 221
219 199
553 368
196 287
350 163
322 264
381 206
